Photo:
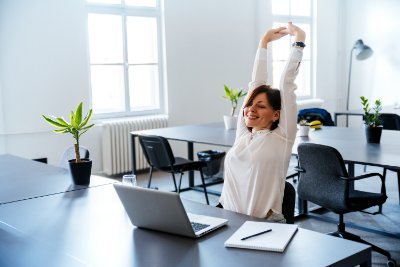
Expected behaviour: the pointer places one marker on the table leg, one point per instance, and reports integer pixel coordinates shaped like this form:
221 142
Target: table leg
133 152
302 206
366 263
191 157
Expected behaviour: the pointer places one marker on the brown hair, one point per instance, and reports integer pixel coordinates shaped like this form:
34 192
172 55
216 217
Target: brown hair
273 97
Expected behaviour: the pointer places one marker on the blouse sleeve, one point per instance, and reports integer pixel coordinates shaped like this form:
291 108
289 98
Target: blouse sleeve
288 116
259 77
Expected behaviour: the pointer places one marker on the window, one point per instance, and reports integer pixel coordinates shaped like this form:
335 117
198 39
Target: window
125 57
300 12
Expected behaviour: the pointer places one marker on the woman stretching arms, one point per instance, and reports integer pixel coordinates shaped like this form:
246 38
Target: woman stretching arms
256 165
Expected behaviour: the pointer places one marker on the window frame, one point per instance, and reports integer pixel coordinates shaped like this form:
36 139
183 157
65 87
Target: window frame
124 12
311 41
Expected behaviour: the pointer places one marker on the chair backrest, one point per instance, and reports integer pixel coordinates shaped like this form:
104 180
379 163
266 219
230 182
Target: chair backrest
390 121
157 151
320 182
311 114
288 204
69 153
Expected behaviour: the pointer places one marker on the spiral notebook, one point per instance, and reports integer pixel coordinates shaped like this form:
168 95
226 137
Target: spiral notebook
275 240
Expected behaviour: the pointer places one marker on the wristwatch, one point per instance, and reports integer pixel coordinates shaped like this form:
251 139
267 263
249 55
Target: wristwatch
299 44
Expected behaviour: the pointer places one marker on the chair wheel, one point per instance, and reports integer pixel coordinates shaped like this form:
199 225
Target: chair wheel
391 263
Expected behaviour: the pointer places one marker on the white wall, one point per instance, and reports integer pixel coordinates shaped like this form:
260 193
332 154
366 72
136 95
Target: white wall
208 45
328 53
43 70
377 24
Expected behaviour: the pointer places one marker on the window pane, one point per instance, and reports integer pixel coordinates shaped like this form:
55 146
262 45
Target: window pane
277 69
146 3
307 50
281 47
142 40
105 38
280 7
300 7
143 87
107 89
303 79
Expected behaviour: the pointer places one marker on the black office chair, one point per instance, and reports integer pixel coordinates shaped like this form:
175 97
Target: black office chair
159 155
69 153
389 122
324 181
288 204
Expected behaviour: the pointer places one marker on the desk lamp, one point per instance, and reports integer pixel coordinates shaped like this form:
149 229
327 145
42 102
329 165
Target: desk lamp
362 52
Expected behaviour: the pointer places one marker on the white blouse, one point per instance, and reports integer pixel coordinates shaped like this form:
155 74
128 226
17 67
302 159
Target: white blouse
256 165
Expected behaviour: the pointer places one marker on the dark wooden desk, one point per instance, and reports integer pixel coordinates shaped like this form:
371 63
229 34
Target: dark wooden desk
350 142
22 179
91 227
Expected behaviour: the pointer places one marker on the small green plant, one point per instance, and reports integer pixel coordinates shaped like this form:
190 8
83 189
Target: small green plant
77 126
304 123
233 95
371 119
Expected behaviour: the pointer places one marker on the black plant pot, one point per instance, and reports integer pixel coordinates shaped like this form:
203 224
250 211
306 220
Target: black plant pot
80 171
373 134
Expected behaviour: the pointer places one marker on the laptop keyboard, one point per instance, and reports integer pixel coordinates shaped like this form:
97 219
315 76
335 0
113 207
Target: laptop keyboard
198 226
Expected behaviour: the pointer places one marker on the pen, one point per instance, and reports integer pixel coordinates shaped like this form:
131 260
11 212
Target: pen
260 233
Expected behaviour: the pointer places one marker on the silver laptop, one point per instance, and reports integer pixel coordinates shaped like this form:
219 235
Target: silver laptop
164 211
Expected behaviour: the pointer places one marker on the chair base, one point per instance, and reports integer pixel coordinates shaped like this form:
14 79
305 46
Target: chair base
342 233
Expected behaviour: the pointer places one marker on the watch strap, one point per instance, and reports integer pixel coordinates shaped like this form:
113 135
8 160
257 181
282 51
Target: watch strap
299 44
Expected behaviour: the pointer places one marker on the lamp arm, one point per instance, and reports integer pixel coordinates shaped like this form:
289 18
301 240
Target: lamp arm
349 80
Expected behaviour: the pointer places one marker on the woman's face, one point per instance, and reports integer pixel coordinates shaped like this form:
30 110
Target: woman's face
260 114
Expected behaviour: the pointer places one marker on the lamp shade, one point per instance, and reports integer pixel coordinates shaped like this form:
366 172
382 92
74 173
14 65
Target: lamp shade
362 51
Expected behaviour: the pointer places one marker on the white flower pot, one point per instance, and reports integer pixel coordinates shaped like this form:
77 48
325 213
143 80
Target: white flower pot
230 122
303 130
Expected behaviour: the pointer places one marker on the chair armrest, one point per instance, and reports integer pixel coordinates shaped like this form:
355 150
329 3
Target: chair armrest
368 175
299 169
362 176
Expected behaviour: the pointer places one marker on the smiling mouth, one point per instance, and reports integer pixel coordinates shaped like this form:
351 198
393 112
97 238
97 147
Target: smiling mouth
252 117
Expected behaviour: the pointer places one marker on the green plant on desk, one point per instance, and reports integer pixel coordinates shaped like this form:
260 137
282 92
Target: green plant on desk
233 95
373 126
304 123
371 119
76 127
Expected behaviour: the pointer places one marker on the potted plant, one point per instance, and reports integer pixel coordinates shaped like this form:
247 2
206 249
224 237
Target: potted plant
373 126
78 125
304 128
233 95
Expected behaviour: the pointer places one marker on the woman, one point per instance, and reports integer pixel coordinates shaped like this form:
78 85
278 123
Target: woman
256 166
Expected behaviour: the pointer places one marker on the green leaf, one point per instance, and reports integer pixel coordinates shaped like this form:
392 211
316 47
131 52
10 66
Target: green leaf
85 129
62 121
72 119
53 122
65 130
78 114
86 119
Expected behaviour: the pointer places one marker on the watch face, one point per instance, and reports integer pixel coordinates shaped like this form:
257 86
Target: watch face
299 44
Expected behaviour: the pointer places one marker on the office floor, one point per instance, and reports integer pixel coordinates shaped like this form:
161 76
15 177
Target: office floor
388 221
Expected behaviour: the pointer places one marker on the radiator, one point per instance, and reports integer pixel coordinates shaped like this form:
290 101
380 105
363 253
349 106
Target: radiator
116 142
